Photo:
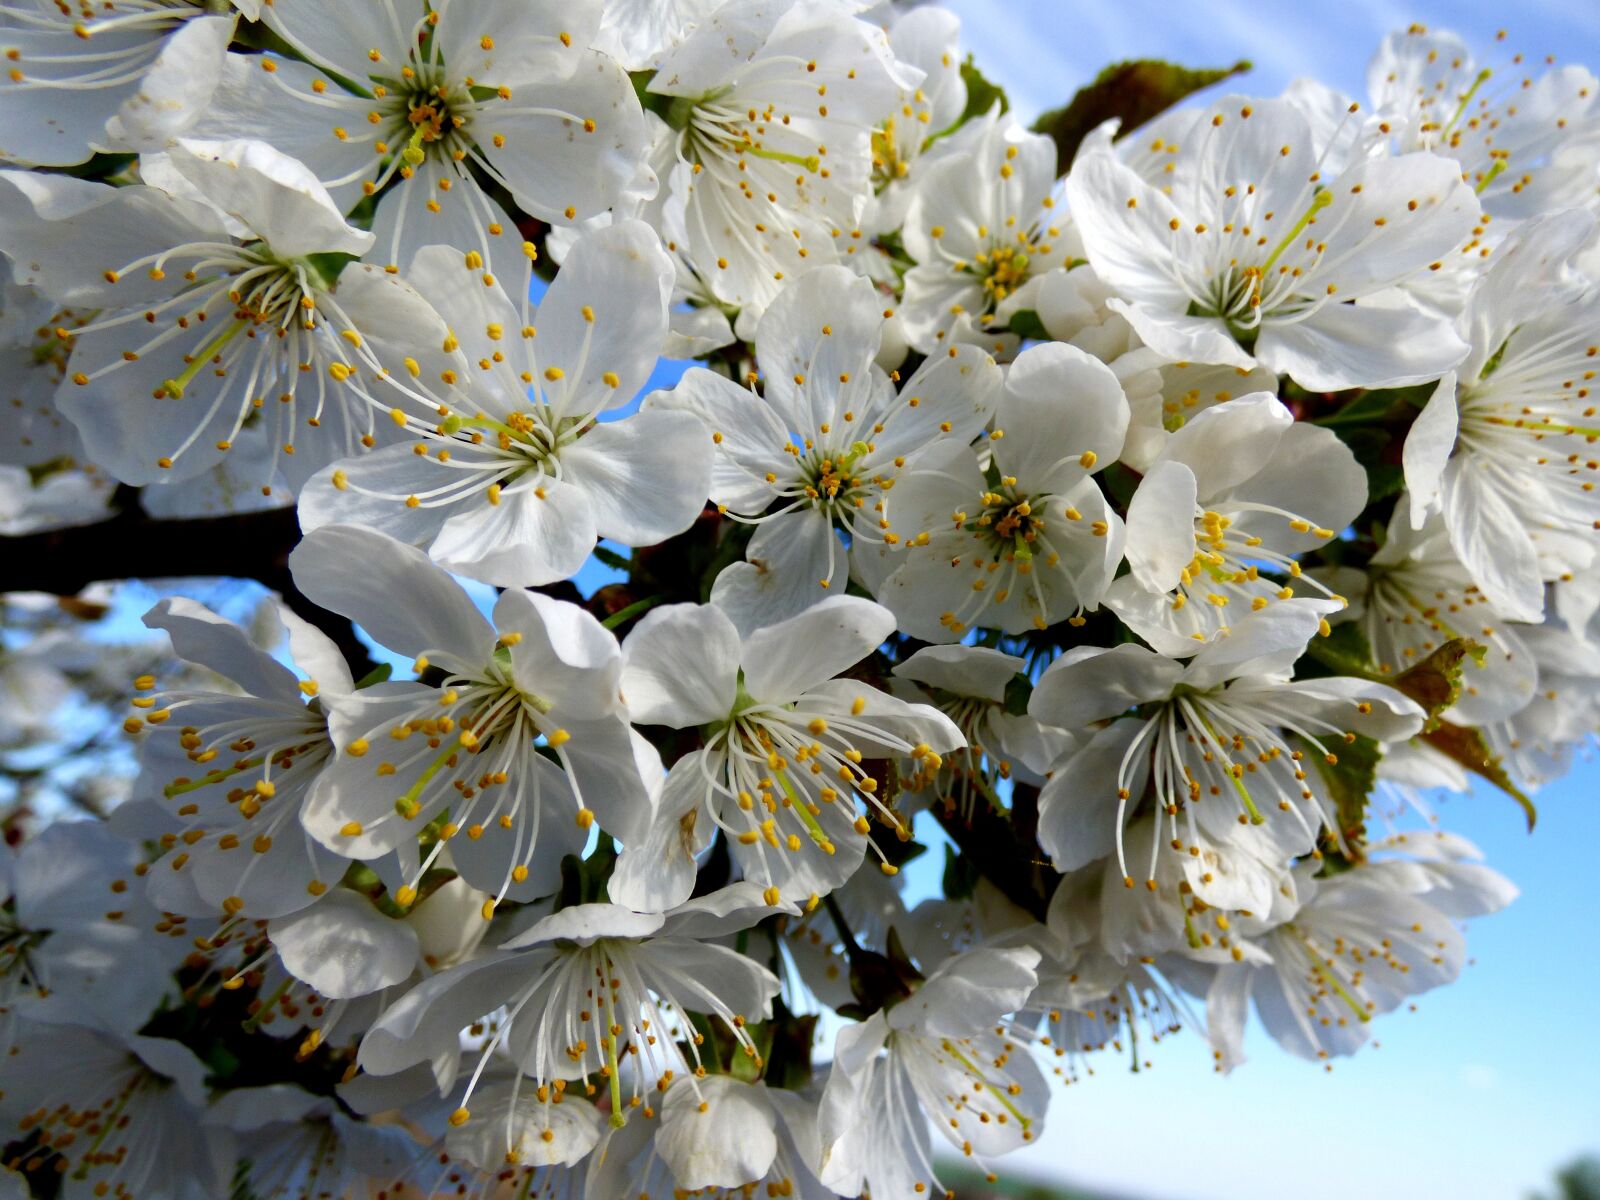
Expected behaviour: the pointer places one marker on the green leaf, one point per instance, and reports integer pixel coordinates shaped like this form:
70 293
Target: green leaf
981 95
583 880
378 674
1345 651
1468 747
1134 91
960 875
741 1064
1372 407
1350 779
611 558
1019 690
788 1054
637 609
1025 322
1385 480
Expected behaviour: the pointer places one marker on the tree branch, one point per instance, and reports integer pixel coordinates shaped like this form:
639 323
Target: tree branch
134 545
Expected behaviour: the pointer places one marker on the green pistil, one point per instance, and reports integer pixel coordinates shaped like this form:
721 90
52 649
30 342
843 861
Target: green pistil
1547 427
975 777
108 1124
1244 798
614 1070
1318 202
810 162
1491 175
174 387
799 805
1238 783
414 153
1331 977
857 449
978 1074
211 777
453 425
1483 77
267 1004
407 805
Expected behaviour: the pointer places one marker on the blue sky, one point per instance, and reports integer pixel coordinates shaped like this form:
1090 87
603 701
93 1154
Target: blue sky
1494 1081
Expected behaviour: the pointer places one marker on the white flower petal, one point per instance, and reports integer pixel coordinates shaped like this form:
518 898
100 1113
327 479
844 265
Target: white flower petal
344 947
392 590
781 661
646 477
681 666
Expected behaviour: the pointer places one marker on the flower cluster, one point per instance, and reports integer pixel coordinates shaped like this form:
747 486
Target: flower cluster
1143 518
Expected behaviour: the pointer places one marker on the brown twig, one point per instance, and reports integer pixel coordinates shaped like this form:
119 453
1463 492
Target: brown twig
134 545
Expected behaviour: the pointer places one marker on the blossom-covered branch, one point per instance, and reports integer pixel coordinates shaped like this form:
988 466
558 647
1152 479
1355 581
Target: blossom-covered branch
1030 620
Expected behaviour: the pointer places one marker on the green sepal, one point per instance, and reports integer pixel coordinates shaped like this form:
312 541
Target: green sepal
1350 780
1025 323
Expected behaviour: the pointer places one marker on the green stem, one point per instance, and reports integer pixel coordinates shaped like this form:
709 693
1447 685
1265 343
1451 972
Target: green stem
624 615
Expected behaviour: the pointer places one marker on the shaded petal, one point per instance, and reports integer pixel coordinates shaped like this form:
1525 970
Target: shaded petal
344 947
276 196
681 666
604 317
646 476
392 590
1351 345
563 654
784 660
201 636
1078 804
524 541
1088 684
1429 444
722 1134
1161 538
1059 403
789 565
1491 540
657 873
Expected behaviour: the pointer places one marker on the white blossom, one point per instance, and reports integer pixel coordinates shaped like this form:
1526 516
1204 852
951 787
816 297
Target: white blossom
541 676
983 220
1225 741
1246 253
944 1051
513 474
1028 538
1236 496
217 324
1504 446
772 113
784 770
416 101
825 442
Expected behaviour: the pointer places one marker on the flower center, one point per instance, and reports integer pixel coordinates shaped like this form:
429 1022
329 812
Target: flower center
425 112
1008 523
